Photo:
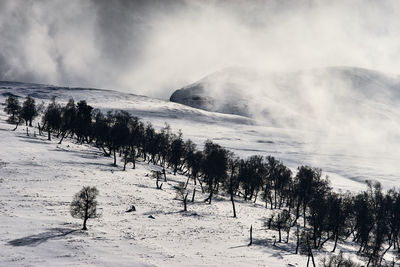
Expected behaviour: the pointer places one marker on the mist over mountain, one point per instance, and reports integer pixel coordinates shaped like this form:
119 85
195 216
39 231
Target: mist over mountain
348 111
296 98
222 121
155 47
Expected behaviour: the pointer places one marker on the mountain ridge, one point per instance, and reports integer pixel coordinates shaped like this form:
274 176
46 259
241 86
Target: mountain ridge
308 98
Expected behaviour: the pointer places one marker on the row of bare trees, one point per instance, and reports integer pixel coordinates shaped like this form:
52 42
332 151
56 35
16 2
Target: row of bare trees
303 203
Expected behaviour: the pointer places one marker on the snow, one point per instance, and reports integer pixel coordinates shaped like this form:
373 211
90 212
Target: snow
246 137
38 179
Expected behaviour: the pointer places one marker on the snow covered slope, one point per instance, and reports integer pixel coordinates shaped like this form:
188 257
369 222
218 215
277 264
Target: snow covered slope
141 106
366 148
345 120
38 179
294 98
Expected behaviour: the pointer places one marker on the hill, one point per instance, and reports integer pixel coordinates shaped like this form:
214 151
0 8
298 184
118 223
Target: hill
294 98
40 178
356 150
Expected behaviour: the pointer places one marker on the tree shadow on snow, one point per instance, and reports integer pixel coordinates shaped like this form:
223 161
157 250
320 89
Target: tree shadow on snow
98 164
181 212
278 250
33 140
86 154
35 240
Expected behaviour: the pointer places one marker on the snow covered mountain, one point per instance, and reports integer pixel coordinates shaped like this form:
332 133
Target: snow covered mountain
296 98
337 114
38 177
347 132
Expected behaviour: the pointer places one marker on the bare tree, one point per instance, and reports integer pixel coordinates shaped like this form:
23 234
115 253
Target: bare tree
84 204
182 194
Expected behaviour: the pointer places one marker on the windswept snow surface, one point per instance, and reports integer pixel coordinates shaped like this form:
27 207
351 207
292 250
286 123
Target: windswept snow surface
345 120
347 161
38 179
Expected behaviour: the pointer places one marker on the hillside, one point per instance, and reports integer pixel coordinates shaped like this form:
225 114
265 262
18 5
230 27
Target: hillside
338 154
338 114
142 106
295 98
39 178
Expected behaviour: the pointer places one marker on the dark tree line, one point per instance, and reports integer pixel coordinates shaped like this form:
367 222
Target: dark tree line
303 203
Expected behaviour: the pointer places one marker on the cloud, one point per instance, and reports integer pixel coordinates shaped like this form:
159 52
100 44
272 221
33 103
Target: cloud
153 47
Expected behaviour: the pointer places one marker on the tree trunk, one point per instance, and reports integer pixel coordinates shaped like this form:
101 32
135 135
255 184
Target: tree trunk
86 213
210 187
255 197
298 238
187 182
16 126
184 202
194 192
336 240
107 154
251 235
115 158
270 200
48 134
287 236
211 195
321 243
40 129
43 127
84 224
383 254
165 176
297 210
62 137
369 260
280 235
233 205
311 254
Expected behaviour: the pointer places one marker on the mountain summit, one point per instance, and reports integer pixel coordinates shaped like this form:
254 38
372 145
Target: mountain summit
334 94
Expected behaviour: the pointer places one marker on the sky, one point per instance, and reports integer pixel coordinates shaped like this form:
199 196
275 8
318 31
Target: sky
155 47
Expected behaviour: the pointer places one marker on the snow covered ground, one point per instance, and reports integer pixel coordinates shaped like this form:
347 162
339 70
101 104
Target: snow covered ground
38 179
347 164
345 120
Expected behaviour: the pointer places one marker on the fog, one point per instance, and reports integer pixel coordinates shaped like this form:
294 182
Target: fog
154 47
